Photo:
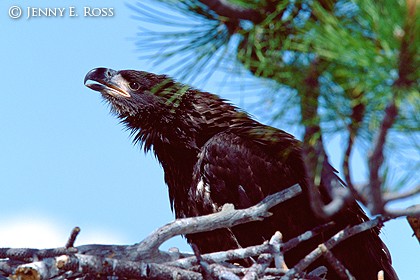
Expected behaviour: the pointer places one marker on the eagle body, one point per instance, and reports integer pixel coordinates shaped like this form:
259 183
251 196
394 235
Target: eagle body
212 153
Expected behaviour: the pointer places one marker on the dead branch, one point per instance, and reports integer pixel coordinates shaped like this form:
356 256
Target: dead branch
251 251
257 270
78 265
331 243
123 261
48 263
74 233
26 254
341 270
226 218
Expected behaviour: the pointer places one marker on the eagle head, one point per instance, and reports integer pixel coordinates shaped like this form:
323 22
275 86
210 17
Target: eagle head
133 93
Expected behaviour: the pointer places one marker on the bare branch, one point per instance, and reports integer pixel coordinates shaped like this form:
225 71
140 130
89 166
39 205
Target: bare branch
257 270
212 265
276 242
26 254
234 254
341 270
226 218
243 253
74 233
292 243
206 271
44 269
78 265
331 243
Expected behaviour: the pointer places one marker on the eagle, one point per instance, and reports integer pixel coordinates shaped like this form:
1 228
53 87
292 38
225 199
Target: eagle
213 153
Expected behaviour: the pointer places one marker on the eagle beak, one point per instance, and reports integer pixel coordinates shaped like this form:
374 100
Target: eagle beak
106 81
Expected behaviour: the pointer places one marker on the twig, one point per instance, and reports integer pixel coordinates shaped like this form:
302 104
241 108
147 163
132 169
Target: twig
264 260
235 254
320 272
205 268
388 197
277 243
341 270
331 243
381 275
243 253
257 269
412 211
74 233
292 243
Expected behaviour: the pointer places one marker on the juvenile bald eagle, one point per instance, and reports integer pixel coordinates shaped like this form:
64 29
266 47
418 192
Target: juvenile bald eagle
212 153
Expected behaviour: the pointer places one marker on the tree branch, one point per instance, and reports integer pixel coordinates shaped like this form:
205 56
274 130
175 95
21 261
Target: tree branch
412 211
226 218
227 9
73 235
79 265
257 270
356 118
251 251
331 243
376 159
26 254
341 270
388 197
313 151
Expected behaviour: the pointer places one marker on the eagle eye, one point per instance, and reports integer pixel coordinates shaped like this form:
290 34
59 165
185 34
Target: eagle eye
134 85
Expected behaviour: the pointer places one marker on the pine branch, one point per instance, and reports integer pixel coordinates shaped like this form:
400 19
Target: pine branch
229 10
314 155
376 159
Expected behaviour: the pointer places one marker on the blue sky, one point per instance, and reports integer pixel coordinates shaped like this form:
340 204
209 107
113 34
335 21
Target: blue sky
65 161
